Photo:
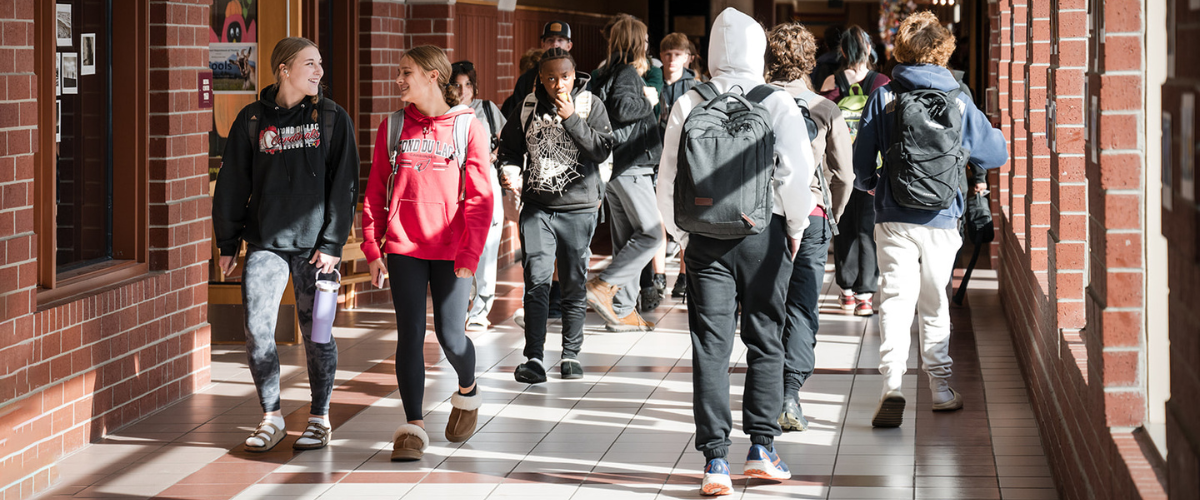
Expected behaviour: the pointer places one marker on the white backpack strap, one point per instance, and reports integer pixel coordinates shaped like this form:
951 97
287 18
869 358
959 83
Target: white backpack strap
583 104
527 108
462 129
395 125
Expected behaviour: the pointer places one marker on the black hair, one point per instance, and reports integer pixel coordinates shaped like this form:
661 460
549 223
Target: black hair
464 68
553 54
856 47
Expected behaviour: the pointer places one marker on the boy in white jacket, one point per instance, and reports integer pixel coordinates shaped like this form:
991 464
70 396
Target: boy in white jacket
754 270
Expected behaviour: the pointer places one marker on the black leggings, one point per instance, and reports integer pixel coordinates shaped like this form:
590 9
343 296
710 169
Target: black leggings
409 277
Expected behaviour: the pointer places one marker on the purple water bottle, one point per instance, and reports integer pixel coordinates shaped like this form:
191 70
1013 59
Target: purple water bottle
325 308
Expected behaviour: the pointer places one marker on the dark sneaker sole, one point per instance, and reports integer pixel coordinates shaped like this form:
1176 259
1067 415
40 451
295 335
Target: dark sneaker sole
890 414
526 378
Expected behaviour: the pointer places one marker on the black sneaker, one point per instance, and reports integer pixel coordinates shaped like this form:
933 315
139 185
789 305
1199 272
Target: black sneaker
649 299
679 291
530 372
571 369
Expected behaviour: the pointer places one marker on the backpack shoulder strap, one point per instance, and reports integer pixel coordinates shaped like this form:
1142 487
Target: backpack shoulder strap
583 104
760 93
707 91
842 84
395 126
252 123
462 130
528 105
491 120
869 81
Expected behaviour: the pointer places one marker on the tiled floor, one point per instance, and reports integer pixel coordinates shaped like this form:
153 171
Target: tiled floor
624 431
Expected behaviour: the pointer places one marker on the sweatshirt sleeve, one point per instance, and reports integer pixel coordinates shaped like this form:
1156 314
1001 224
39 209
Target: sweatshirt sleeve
593 137
627 102
986 144
869 142
477 200
668 166
839 156
234 184
794 165
341 192
512 141
374 214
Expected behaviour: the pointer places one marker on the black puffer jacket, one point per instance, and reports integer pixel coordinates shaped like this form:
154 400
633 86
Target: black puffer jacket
635 128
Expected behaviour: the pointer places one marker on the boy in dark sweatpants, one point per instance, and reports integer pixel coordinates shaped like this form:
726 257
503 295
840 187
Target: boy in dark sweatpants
564 133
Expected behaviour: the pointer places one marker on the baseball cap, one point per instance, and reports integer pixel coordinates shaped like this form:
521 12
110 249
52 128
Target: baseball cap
556 28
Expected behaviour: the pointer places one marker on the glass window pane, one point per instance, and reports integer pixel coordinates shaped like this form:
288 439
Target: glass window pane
84 161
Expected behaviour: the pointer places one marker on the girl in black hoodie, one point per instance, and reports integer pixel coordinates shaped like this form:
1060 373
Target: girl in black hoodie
636 225
564 132
287 187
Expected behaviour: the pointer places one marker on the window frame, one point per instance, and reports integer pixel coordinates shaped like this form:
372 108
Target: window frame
130 37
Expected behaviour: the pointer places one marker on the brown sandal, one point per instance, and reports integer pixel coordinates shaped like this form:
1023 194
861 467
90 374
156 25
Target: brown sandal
314 431
270 436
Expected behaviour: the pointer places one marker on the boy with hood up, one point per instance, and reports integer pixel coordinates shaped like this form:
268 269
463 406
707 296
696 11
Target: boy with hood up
916 248
753 270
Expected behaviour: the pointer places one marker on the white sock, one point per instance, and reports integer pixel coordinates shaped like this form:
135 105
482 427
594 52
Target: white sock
863 296
275 420
940 389
323 420
847 293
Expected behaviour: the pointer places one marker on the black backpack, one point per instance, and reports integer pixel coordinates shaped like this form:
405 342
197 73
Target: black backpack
811 125
726 163
926 160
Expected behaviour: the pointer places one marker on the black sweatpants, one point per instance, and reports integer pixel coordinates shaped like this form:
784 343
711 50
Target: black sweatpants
409 278
803 296
754 272
545 237
854 258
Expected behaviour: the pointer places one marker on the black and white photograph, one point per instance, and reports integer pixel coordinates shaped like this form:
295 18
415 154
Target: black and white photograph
63 30
58 74
70 73
58 122
87 54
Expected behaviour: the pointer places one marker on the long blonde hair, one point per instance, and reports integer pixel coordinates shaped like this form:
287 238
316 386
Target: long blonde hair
432 58
627 44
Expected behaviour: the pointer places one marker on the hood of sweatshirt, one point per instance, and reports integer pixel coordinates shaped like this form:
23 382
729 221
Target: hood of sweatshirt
924 76
734 35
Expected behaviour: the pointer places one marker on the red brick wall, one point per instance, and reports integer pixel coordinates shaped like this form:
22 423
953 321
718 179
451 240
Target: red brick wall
1181 226
72 373
1077 313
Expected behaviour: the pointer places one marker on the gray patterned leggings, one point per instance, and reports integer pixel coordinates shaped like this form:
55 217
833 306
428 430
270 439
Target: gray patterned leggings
263 283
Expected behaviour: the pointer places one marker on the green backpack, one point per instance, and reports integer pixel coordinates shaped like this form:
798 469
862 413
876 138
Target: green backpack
853 100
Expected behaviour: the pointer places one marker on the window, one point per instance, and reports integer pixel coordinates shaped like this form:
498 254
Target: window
90 182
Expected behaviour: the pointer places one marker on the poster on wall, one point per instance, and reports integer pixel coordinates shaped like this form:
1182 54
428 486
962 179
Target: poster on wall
1187 147
234 67
233 21
87 54
58 122
70 73
63 24
58 73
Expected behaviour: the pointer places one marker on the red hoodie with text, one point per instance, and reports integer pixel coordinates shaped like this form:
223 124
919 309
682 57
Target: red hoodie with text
427 220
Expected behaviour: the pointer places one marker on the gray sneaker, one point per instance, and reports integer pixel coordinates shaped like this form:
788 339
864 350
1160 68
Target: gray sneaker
792 418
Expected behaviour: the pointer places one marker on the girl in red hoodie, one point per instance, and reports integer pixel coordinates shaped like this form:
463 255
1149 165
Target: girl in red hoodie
427 212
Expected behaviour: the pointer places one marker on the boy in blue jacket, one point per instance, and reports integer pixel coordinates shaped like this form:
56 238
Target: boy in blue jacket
916 247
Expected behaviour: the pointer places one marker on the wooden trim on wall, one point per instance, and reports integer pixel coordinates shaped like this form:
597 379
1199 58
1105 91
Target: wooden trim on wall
345 50
131 133
44 208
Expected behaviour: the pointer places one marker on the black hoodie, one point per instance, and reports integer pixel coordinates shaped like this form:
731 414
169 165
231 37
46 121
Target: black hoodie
638 144
289 192
592 138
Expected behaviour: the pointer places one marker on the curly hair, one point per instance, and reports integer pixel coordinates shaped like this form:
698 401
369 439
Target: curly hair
921 39
790 53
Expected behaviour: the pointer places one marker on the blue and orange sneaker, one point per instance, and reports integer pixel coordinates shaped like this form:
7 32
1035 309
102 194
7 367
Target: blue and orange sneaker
766 464
716 478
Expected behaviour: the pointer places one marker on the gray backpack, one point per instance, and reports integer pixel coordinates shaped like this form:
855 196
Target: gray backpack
726 162
925 159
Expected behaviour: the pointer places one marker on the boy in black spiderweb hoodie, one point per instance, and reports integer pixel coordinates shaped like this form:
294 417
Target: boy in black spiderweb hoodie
564 133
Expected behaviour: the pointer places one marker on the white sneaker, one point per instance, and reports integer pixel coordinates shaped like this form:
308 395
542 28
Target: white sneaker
519 317
890 412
